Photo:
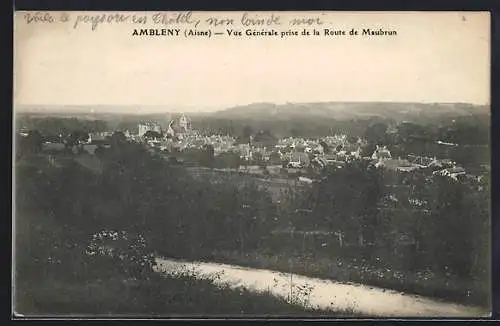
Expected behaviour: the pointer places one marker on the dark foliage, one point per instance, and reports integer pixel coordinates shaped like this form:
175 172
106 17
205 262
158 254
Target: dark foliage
139 204
29 144
151 135
410 221
54 126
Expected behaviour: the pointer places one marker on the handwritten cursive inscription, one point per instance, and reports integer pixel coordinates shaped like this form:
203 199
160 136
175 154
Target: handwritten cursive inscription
306 21
38 17
171 19
183 18
259 20
213 21
95 20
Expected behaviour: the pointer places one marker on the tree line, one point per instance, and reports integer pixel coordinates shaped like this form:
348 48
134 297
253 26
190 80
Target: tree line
141 193
54 127
444 223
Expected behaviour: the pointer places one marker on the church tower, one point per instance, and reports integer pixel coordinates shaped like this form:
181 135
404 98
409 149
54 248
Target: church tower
184 123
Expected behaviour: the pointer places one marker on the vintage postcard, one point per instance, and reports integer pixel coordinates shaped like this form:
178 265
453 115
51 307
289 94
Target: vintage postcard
251 164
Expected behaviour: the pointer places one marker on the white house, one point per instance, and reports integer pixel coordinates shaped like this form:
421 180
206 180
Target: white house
381 153
451 172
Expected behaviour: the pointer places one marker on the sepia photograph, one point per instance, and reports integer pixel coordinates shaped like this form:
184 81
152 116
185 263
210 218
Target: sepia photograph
251 165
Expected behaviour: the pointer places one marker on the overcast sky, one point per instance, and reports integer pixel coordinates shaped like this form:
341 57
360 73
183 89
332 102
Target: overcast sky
436 57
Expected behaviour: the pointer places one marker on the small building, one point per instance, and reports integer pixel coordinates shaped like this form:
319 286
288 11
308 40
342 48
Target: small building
441 164
299 159
149 126
381 153
453 173
96 137
305 180
397 165
23 133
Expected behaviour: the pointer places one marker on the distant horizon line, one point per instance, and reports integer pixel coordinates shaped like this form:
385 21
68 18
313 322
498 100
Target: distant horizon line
59 107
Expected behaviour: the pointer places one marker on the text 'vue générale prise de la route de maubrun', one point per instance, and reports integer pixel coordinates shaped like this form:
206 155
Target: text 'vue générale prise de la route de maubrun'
261 32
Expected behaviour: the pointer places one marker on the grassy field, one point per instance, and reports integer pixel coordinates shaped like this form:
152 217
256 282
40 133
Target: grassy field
159 296
275 185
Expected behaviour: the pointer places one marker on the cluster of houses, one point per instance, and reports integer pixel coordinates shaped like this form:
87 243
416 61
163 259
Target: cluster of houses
297 153
292 152
443 167
180 136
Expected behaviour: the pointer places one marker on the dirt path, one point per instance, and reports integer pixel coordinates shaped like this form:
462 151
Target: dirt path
325 294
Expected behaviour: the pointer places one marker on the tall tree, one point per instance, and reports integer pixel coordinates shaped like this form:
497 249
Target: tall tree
32 143
247 134
376 133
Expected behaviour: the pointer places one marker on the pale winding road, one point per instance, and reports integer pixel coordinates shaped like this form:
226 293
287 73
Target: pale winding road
326 294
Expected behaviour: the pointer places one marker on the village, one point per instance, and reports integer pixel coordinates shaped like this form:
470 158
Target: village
297 158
